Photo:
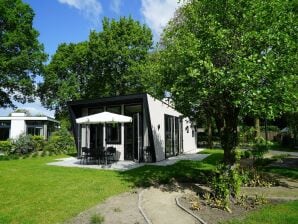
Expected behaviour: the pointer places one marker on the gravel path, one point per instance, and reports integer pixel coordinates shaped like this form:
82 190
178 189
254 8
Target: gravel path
160 207
274 152
120 209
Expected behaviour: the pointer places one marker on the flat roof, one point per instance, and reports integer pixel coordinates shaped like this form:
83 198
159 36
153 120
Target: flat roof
27 118
107 99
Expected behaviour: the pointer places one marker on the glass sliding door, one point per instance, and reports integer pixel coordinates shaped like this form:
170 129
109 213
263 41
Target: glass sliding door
169 135
176 140
96 136
133 133
172 136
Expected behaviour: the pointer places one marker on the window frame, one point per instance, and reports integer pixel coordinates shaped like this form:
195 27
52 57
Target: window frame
118 127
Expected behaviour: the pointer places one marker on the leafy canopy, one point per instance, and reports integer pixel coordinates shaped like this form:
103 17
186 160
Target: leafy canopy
237 53
232 57
108 63
21 55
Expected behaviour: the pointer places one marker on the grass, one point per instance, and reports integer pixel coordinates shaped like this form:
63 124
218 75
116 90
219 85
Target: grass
277 147
33 192
271 214
283 171
182 171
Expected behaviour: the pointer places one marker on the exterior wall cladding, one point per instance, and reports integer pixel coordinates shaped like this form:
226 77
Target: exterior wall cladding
153 121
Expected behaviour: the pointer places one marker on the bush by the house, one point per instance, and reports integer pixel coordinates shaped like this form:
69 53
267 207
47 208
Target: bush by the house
5 147
61 142
23 144
38 142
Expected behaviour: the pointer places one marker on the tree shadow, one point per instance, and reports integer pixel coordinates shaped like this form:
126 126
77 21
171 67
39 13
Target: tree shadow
182 172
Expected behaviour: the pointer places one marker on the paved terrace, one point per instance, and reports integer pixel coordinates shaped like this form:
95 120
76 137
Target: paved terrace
125 165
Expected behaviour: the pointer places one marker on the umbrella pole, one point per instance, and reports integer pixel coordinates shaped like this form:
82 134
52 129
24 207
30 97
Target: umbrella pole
105 140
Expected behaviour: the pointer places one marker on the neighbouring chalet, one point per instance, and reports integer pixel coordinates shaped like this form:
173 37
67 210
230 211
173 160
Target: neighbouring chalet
11 127
157 130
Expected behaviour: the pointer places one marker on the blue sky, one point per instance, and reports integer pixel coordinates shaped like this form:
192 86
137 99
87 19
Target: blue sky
60 21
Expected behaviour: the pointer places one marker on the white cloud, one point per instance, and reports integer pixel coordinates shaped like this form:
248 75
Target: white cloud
157 13
115 6
91 9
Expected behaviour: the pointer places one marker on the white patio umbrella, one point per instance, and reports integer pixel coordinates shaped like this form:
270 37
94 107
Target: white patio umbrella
103 117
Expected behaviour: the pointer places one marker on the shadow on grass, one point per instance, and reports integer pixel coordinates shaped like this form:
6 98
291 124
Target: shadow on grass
283 171
182 171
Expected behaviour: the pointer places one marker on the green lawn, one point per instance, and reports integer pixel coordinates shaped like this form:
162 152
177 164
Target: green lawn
182 171
33 192
272 214
283 171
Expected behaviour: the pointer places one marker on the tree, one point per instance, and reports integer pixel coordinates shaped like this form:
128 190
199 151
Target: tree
109 63
65 77
116 54
21 55
232 57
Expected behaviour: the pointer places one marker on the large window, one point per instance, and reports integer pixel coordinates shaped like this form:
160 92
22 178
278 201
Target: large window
113 131
172 135
95 110
4 130
34 128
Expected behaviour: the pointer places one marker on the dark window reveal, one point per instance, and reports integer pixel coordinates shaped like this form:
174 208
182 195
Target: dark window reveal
113 131
4 130
34 128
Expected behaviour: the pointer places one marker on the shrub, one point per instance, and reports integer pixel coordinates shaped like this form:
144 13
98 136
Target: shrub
6 147
9 157
38 142
226 183
247 154
260 148
23 144
61 142
254 178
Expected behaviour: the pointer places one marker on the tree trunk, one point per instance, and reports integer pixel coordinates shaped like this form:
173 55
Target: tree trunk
229 136
257 128
209 125
219 122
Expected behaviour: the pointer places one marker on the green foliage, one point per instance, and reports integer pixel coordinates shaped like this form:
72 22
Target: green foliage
247 154
38 142
254 178
21 55
260 148
235 59
23 144
6 147
270 128
108 63
9 157
247 134
96 219
61 142
226 183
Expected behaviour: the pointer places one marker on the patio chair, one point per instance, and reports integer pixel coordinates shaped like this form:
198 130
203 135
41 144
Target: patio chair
85 155
94 154
110 154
